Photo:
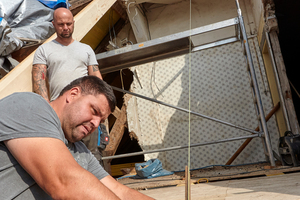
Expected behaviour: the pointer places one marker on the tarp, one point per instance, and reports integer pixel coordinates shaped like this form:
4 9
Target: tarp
150 169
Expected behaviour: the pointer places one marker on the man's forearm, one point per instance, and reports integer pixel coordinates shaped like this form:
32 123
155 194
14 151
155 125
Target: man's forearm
94 71
132 194
39 80
122 191
49 162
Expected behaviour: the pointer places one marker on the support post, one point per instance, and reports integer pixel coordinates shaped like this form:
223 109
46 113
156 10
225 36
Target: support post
255 87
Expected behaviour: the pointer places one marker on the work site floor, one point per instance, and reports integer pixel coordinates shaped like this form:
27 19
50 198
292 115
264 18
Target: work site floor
256 181
277 187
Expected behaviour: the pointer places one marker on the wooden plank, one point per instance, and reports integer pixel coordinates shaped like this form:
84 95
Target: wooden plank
116 169
115 136
116 112
247 141
19 79
267 188
212 174
101 29
285 87
22 53
116 133
77 6
272 28
163 181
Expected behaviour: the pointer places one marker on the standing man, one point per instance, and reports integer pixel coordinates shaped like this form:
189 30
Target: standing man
41 153
61 61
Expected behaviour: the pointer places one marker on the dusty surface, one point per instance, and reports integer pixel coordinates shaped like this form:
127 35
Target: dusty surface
212 174
277 187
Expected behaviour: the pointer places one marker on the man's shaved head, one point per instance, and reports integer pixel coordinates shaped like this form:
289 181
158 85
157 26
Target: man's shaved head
60 12
63 23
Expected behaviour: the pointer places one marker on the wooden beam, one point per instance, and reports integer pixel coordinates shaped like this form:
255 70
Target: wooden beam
77 6
247 141
19 79
272 28
285 87
116 112
115 137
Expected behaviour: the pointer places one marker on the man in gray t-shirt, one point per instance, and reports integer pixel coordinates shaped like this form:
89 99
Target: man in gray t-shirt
41 153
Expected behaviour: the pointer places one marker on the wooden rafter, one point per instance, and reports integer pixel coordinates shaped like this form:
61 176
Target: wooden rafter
116 134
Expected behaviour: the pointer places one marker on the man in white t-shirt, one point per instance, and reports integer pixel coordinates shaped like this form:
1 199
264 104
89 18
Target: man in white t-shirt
61 61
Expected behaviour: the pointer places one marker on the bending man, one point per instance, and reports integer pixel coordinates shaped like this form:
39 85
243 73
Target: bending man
41 153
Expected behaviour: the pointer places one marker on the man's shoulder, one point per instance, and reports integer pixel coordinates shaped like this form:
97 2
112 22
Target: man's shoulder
24 98
82 44
45 47
23 95
50 43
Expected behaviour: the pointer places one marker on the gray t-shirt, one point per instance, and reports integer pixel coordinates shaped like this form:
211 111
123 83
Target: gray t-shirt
64 63
29 115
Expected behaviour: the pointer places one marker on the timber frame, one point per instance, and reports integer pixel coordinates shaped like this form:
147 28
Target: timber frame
271 27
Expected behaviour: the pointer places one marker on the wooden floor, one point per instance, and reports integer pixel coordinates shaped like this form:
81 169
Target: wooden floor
276 187
256 181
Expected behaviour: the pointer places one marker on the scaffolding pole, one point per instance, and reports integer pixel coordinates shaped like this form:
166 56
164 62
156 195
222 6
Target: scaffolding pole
255 87
257 101
187 111
180 147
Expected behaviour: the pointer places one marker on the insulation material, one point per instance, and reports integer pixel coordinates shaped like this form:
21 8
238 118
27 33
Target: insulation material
219 88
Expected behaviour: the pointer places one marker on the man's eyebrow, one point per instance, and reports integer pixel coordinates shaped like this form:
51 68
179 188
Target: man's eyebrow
97 109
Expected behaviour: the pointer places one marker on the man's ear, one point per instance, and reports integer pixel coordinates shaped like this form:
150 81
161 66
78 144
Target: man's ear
73 94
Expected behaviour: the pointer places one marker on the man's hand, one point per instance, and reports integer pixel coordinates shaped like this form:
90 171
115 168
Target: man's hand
39 73
122 191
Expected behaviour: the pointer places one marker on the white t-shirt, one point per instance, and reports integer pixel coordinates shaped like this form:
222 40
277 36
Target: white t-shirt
64 63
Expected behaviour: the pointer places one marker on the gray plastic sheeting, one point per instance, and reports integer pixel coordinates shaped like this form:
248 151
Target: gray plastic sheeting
28 19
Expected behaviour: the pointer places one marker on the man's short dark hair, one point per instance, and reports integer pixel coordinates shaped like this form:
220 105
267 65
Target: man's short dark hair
92 85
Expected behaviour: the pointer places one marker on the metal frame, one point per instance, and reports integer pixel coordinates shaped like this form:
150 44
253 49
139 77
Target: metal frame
181 39
159 48
188 111
180 147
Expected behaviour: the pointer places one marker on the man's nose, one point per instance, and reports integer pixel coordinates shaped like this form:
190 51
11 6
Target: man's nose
96 121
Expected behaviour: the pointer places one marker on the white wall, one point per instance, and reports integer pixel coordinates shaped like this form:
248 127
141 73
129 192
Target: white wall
167 19
220 87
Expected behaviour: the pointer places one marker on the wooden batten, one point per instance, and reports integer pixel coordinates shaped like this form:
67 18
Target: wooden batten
19 79
116 135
